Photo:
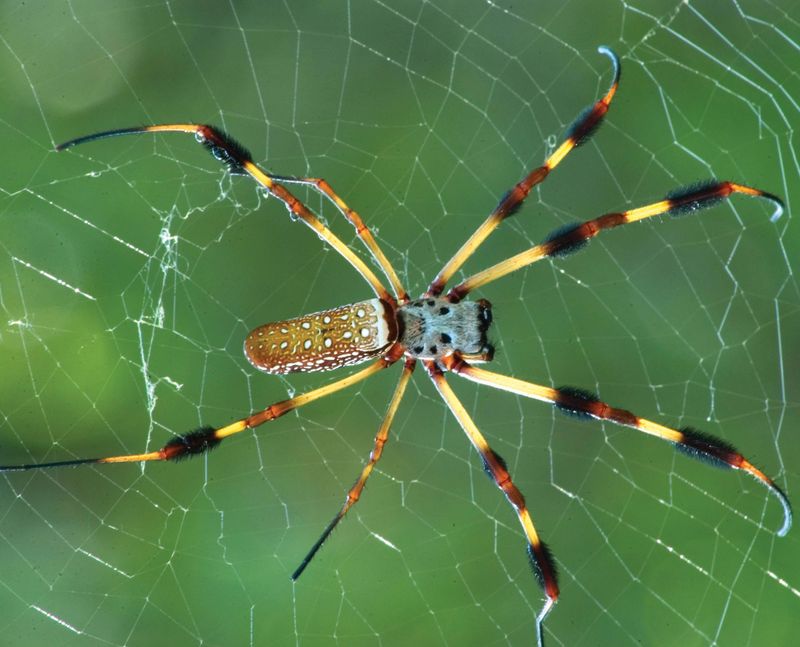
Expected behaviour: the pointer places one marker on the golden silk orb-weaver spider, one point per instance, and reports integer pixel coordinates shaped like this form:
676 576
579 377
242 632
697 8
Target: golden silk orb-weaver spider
445 332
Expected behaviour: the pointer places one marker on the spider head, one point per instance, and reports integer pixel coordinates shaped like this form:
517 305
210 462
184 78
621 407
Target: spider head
433 327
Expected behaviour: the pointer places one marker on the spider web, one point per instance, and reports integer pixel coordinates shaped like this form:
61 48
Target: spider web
132 269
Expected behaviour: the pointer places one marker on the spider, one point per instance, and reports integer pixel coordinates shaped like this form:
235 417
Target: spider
445 332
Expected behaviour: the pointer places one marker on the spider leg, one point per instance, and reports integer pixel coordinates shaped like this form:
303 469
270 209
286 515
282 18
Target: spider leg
569 239
579 133
584 404
355 492
240 162
362 231
207 438
539 555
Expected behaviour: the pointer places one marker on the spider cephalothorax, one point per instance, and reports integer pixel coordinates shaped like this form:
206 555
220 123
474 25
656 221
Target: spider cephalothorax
445 333
434 327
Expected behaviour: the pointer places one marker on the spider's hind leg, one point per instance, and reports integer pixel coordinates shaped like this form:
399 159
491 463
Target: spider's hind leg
355 492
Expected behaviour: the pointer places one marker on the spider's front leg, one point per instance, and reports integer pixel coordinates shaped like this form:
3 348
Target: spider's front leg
583 404
495 467
569 239
579 133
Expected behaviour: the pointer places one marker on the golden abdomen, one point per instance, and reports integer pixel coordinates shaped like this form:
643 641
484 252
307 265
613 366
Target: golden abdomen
323 341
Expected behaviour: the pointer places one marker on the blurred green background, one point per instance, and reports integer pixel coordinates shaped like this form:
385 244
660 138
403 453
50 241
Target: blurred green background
132 269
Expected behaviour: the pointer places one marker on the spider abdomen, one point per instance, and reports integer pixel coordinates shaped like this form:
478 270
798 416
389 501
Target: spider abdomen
323 341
